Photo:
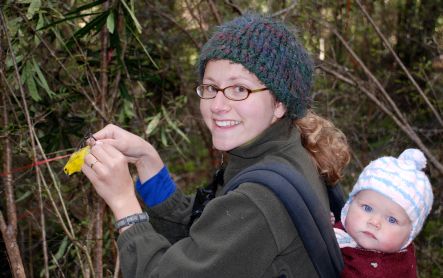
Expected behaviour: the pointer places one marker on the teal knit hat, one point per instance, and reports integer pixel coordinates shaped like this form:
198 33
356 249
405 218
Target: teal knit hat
269 50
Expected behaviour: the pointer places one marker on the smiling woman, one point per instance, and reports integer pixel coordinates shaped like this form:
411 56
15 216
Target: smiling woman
234 123
255 98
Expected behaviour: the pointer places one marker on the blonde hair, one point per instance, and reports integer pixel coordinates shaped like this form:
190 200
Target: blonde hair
326 144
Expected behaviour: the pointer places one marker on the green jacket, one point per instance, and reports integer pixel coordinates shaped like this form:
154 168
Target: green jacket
245 233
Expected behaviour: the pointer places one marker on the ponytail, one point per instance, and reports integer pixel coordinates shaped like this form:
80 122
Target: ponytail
326 144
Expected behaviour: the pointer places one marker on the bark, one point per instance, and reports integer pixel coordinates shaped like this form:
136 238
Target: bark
8 227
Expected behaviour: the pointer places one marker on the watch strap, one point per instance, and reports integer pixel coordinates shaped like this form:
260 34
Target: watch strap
131 219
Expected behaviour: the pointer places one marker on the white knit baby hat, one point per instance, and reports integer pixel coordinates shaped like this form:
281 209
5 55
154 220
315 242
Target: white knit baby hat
401 180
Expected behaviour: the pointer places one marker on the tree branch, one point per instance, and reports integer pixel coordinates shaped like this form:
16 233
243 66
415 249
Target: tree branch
9 230
408 74
214 12
401 122
285 10
179 26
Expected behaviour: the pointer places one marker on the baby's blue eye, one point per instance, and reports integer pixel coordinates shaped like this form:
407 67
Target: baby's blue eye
392 220
367 208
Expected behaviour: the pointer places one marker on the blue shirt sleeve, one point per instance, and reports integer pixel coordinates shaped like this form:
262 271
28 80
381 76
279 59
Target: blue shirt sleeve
156 189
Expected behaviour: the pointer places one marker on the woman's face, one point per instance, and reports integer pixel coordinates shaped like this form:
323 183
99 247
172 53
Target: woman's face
234 123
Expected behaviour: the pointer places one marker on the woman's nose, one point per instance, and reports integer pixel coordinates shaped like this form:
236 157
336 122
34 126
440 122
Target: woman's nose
220 103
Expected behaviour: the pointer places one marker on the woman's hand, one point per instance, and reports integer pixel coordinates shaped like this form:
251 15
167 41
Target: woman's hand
135 148
107 169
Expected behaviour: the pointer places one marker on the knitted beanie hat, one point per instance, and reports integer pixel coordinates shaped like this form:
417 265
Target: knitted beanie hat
402 181
269 50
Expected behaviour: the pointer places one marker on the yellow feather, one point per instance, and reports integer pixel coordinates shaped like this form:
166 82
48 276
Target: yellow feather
76 161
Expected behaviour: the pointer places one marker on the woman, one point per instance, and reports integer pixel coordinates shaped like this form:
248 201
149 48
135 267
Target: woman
255 85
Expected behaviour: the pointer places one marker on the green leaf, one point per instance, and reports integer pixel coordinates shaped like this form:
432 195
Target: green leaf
28 79
32 88
40 24
24 196
153 124
86 7
62 249
96 23
110 23
128 108
177 147
33 8
124 90
66 19
173 125
14 26
115 44
134 19
42 80
163 138
145 50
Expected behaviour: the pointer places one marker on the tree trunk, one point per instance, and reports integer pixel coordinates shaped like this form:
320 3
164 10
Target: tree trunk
8 227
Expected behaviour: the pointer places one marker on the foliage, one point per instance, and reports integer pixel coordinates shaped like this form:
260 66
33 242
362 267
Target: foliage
69 67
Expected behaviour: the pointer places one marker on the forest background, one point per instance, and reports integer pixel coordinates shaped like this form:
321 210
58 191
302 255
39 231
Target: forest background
69 67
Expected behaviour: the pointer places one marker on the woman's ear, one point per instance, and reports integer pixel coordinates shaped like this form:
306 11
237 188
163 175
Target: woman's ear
280 110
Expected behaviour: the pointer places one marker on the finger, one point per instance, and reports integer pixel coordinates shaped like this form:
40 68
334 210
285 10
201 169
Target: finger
89 173
91 161
91 141
112 142
106 152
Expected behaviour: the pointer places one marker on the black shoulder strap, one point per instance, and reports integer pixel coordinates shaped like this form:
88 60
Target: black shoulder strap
311 220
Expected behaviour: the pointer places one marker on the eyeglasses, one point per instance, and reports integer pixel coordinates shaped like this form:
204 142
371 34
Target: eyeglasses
235 92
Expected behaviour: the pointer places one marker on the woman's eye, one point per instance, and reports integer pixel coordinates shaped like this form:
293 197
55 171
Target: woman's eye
240 89
392 220
367 208
211 89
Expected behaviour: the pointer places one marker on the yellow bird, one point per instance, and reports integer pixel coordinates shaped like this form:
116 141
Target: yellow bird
76 161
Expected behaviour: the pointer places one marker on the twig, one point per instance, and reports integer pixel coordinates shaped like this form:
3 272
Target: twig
179 26
198 19
117 261
12 248
52 53
401 122
285 10
9 232
43 226
69 232
214 11
235 7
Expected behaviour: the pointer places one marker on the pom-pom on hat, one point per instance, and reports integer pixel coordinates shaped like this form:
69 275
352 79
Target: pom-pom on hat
402 181
269 50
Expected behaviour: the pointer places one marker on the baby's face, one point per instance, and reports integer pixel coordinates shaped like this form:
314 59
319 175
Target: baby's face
377 223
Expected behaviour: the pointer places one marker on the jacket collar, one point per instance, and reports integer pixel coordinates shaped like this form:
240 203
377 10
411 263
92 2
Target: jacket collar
272 141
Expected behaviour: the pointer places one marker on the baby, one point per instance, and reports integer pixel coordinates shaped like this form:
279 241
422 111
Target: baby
384 213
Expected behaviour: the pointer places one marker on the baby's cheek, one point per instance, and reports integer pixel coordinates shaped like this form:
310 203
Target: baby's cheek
390 243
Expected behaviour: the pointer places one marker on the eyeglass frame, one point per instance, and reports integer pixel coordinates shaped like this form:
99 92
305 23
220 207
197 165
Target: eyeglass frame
223 91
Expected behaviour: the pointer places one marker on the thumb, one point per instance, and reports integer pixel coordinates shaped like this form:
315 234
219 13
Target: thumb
108 132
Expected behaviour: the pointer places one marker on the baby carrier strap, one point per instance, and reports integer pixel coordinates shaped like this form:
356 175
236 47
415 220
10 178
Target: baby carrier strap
311 220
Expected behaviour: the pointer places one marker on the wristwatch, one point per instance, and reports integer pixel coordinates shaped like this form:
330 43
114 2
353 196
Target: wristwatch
131 219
